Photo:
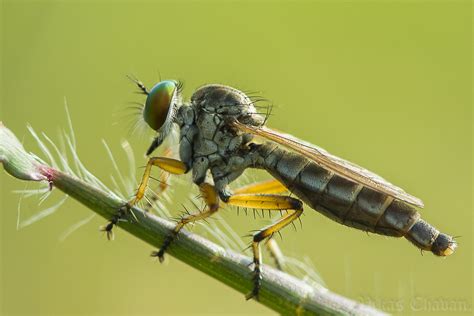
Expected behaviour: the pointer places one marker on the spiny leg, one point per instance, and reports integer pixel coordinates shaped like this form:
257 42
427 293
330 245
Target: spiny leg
163 186
211 198
169 165
263 234
108 229
271 202
271 186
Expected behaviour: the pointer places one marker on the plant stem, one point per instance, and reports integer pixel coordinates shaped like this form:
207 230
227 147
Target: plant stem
281 292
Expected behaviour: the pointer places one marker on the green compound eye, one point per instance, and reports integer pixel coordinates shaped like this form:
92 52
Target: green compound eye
159 102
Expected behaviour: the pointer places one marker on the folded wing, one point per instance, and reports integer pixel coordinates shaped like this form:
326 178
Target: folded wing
337 165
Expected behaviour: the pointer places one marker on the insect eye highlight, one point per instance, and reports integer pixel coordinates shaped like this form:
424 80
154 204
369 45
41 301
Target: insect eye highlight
159 103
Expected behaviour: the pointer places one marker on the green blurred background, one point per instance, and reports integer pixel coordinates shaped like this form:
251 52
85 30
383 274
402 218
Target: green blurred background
384 84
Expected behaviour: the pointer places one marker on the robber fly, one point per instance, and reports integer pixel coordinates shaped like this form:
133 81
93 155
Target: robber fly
222 134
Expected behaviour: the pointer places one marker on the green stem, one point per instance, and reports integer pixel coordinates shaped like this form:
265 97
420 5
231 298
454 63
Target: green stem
281 292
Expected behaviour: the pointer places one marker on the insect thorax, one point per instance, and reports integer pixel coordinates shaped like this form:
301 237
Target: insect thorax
208 142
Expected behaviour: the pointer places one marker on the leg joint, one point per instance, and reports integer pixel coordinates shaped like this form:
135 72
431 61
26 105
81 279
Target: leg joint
258 237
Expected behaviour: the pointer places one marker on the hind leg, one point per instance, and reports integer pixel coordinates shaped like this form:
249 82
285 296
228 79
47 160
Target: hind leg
272 186
264 233
270 202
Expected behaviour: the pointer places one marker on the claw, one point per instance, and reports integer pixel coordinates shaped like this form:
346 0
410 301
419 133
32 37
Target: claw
108 229
114 220
257 283
254 293
161 252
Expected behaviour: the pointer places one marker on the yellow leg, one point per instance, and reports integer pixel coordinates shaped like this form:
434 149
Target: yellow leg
211 198
272 186
264 233
169 165
163 183
264 201
256 197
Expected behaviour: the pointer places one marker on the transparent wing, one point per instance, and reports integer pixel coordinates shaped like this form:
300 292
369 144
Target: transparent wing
337 165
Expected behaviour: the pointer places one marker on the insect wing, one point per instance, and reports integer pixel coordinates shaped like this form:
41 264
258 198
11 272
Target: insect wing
333 163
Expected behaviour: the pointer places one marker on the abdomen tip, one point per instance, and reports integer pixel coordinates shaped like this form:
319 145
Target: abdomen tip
444 245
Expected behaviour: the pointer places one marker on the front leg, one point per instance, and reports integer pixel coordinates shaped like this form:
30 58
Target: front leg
211 198
169 165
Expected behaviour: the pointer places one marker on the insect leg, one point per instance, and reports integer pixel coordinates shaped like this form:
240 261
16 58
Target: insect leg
169 165
264 233
211 198
272 186
271 202
162 185
264 201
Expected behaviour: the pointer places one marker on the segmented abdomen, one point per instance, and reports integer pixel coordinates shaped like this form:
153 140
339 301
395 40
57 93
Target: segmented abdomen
351 203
